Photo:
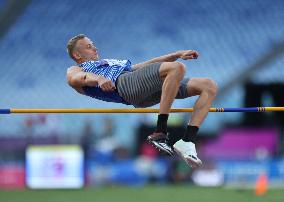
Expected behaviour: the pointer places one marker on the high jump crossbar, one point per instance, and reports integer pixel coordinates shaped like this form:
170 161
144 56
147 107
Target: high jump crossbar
136 110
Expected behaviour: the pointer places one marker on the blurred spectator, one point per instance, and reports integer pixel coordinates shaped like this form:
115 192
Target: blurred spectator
106 142
28 126
41 125
179 172
148 151
87 138
86 143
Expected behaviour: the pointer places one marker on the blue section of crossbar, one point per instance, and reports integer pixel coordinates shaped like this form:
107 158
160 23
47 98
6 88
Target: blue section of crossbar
5 111
250 109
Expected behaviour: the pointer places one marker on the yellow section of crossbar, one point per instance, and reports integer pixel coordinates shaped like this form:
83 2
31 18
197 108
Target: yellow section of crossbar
274 109
137 110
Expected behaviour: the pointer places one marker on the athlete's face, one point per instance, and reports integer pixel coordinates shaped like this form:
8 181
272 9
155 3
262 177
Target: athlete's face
86 50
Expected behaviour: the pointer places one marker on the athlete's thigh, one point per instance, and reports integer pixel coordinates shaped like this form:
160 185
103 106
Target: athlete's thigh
137 86
188 87
150 100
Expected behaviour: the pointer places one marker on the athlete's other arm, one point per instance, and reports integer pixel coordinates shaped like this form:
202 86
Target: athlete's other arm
183 54
77 78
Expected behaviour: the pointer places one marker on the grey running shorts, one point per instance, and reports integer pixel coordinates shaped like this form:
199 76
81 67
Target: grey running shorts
143 87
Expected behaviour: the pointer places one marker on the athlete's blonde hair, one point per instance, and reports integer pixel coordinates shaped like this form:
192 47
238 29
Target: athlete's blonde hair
71 45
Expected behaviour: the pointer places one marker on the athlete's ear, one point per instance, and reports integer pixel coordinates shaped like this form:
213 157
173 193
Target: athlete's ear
77 55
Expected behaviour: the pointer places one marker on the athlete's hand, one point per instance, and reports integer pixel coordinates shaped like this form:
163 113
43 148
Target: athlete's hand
105 84
188 54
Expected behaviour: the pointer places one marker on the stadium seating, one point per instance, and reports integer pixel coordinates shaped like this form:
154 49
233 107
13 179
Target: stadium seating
230 35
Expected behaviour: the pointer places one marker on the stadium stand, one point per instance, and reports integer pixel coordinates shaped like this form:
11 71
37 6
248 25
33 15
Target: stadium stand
230 35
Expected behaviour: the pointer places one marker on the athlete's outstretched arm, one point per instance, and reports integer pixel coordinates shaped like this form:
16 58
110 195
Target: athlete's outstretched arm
183 54
77 78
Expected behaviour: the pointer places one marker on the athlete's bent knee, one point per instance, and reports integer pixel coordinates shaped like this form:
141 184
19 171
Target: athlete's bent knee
211 86
176 68
179 67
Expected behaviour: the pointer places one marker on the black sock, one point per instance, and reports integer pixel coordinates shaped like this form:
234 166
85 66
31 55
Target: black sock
162 123
172 139
190 134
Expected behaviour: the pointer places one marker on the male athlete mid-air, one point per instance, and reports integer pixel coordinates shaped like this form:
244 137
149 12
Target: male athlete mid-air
159 80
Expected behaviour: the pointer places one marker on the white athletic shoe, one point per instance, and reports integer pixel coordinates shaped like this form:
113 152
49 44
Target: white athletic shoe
187 151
